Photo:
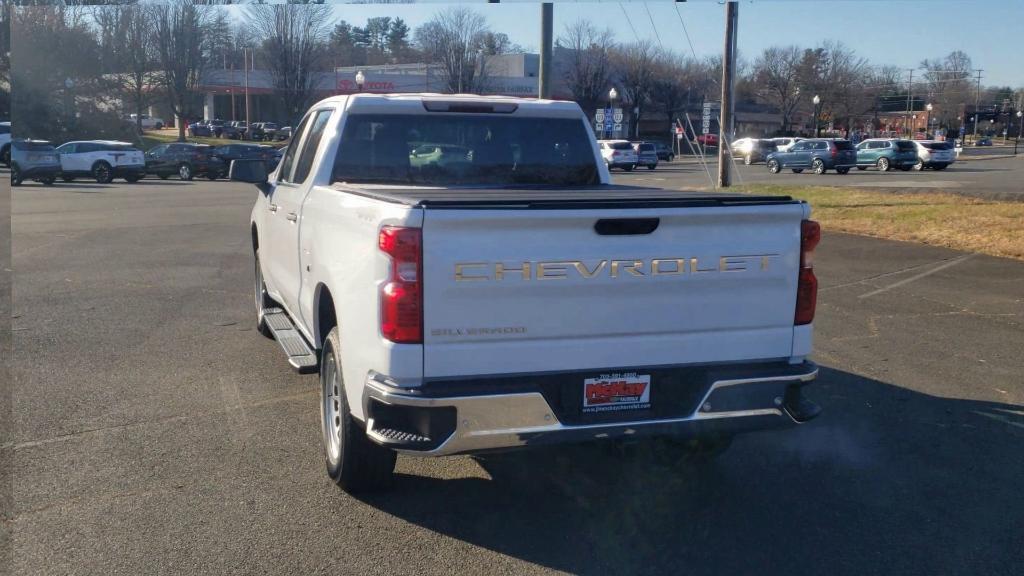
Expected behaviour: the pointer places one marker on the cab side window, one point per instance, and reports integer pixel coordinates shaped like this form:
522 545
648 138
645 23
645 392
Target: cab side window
288 162
309 148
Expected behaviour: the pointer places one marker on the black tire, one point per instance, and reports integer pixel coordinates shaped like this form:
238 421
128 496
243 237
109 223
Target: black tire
133 178
16 179
185 171
940 166
774 167
212 175
842 170
102 173
818 167
48 181
883 165
628 168
652 166
353 461
5 156
919 166
68 178
797 170
261 298
163 176
671 157
159 125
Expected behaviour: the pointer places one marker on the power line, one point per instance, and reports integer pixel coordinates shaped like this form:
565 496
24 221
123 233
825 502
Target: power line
653 27
630 22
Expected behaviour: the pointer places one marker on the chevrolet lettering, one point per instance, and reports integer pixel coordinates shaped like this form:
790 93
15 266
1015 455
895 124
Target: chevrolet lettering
462 276
625 268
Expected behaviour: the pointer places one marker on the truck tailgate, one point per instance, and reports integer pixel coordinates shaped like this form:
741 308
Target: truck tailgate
521 291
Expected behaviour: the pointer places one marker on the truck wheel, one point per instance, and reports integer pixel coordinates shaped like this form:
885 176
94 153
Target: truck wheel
185 171
102 173
818 167
353 461
263 300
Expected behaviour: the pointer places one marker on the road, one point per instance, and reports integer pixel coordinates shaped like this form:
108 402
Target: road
995 179
156 432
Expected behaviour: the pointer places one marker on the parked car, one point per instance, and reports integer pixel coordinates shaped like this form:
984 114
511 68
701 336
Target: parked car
934 155
5 143
984 142
148 122
102 160
229 152
664 152
753 150
33 160
232 130
707 139
817 154
283 134
618 154
187 160
216 127
784 143
262 131
886 154
646 154
200 129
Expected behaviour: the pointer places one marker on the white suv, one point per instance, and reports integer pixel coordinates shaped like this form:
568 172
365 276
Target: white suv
783 144
148 122
618 154
102 160
5 143
934 154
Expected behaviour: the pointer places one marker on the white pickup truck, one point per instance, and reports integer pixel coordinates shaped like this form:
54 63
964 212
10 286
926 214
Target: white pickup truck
464 278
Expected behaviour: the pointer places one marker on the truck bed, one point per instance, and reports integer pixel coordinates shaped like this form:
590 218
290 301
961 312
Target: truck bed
541 197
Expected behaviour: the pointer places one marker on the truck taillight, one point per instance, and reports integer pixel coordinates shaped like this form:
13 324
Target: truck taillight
401 297
807 284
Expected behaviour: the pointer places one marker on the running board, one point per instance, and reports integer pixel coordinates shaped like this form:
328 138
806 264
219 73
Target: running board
300 355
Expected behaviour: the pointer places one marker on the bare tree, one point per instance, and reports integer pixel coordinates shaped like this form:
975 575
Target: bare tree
179 30
588 73
454 39
295 43
125 38
948 83
635 65
776 76
677 81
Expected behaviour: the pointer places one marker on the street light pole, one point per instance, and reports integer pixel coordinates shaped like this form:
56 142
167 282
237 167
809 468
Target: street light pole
817 102
1020 130
928 121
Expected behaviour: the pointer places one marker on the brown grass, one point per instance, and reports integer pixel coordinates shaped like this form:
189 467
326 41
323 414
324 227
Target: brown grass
939 219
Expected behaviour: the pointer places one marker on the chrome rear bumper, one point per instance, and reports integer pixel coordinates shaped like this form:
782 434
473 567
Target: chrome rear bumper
500 421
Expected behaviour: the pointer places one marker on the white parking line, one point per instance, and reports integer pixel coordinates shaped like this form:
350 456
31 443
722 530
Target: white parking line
952 262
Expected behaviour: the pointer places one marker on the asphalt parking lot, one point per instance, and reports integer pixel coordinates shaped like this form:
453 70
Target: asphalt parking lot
995 178
156 432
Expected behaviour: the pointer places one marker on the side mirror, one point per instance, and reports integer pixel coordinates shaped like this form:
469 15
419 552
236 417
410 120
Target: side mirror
251 171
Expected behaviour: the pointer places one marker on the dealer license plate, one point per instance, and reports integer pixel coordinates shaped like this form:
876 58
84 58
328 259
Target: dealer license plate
612 392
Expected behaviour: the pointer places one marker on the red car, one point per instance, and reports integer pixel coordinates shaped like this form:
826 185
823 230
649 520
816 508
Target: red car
707 139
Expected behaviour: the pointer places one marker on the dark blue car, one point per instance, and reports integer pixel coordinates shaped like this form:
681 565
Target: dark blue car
815 154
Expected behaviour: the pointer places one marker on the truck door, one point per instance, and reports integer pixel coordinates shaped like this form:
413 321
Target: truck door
286 208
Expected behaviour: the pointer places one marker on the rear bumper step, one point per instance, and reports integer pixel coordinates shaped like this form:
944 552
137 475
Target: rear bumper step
300 354
729 400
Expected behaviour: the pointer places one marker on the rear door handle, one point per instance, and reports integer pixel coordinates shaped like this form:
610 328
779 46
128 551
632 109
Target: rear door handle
292 216
273 207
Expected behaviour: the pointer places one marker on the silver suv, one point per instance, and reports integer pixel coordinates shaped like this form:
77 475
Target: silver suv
33 160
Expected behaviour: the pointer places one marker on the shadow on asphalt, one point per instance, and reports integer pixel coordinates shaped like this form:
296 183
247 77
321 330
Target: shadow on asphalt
887 480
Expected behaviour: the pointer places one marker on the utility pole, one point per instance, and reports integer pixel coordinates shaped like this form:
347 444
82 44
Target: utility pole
546 40
910 91
977 100
245 63
732 9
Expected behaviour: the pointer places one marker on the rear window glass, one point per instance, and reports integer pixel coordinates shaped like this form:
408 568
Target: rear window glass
905 146
34 146
768 145
477 149
938 146
647 147
5 129
844 145
620 146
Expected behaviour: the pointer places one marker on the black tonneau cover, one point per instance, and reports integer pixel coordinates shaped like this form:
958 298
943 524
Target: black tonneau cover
540 197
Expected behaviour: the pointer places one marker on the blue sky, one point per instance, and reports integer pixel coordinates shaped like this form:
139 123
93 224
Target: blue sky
897 32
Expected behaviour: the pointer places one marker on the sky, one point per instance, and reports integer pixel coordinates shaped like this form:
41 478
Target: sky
896 32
